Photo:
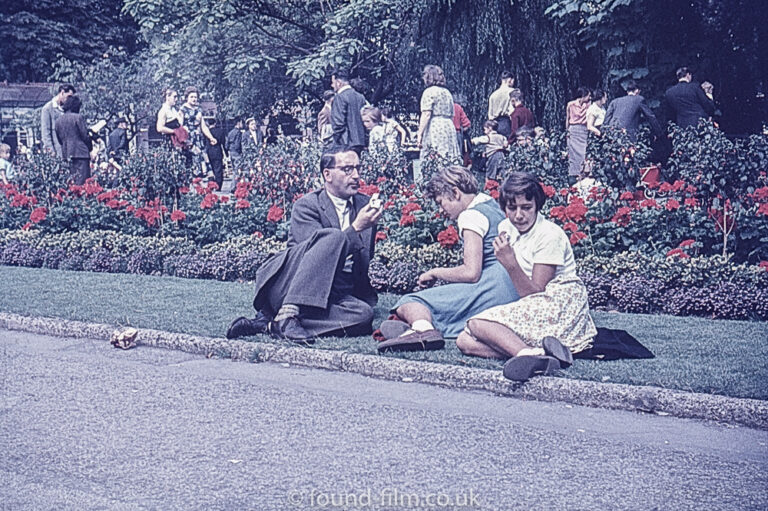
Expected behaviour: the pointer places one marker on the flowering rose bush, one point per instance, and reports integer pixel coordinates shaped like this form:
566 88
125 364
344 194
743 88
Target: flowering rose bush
153 197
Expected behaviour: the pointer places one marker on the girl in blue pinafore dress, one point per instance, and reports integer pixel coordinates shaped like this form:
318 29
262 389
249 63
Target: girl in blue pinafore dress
478 283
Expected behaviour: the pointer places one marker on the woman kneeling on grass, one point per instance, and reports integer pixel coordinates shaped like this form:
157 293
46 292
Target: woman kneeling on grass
551 320
478 283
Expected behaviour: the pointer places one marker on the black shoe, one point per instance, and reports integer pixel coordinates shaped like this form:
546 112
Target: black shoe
415 341
555 349
244 327
525 367
290 329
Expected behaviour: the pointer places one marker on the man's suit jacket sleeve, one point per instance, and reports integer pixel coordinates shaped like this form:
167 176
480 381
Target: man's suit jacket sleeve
82 131
651 118
306 219
707 104
609 113
46 127
339 118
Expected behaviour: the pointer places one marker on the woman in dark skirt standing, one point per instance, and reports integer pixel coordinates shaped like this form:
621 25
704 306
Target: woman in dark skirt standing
576 126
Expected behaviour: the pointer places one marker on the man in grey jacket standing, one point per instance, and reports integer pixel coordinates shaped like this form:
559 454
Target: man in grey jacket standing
625 112
346 121
50 114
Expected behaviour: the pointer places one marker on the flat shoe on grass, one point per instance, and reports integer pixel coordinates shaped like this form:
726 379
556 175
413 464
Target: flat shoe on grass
391 328
557 350
415 341
525 367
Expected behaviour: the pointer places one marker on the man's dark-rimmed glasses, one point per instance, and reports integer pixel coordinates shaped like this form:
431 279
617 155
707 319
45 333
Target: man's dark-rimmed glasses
348 169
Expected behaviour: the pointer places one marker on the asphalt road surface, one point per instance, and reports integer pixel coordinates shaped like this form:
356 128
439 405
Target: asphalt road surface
86 426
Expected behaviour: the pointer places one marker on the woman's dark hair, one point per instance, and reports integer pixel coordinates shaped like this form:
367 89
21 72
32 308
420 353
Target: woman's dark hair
190 90
72 104
446 178
521 183
598 94
581 92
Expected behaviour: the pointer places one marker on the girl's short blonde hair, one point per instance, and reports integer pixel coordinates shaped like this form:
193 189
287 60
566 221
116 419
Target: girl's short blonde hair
443 182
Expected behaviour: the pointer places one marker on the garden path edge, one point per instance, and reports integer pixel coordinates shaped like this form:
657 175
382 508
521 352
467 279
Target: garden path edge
730 410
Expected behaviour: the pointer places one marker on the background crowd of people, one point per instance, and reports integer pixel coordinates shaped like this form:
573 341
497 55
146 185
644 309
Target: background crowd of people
347 118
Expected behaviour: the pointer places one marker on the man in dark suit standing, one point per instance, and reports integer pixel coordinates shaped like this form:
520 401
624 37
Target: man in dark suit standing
625 112
117 143
75 138
319 284
215 152
687 101
346 121
234 144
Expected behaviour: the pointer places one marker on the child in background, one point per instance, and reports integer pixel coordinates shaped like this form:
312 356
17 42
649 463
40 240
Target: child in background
495 144
394 134
6 169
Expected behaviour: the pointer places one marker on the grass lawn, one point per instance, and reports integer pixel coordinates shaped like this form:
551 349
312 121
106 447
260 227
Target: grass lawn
694 354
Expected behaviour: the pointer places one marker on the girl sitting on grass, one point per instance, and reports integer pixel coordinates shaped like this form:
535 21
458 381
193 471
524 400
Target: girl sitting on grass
478 283
551 320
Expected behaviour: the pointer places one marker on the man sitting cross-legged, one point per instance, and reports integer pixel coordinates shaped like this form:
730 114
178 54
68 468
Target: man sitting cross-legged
319 284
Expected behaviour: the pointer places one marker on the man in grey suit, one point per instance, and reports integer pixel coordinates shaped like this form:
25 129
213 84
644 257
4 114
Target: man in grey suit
687 101
346 120
319 284
48 117
625 112
75 140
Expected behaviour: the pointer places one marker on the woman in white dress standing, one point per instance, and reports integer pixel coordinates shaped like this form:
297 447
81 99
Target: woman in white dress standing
436 130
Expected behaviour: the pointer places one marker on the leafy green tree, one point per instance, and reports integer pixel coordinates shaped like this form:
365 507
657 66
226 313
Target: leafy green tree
115 84
724 43
33 34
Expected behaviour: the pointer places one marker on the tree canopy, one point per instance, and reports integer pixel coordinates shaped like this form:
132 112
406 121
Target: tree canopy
35 33
248 54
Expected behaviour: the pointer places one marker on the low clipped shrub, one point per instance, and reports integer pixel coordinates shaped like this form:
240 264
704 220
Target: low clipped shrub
628 282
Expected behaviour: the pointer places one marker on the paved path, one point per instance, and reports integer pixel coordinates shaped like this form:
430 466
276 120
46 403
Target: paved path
86 426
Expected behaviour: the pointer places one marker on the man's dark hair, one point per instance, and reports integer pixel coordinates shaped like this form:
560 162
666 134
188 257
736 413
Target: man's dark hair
328 158
521 183
494 125
72 104
581 92
341 74
67 87
516 95
328 95
682 71
505 75
630 85
359 85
